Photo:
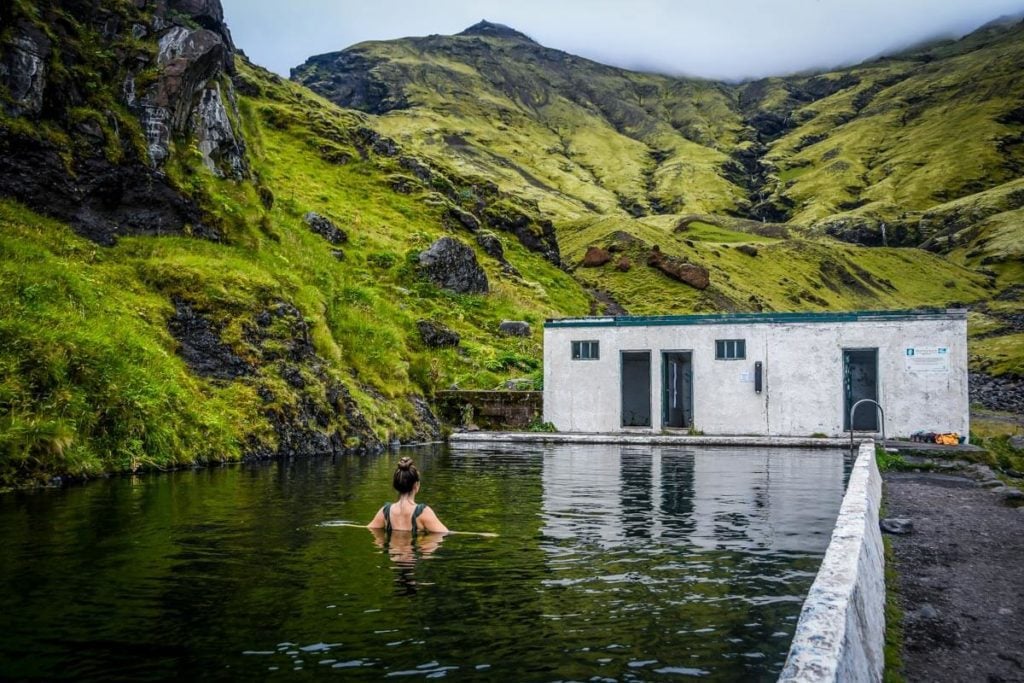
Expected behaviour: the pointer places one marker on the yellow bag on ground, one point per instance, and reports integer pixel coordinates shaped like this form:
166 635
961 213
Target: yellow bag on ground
951 439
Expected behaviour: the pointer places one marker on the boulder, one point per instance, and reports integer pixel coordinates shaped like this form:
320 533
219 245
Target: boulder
452 265
514 328
896 525
325 227
688 273
595 257
623 265
748 249
457 216
491 246
437 336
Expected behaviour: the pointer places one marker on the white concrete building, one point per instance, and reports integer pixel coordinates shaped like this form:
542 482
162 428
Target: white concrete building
780 374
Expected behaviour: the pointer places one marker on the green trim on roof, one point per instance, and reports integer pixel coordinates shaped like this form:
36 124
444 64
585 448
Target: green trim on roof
759 318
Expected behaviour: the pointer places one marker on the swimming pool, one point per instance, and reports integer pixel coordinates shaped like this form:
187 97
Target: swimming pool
611 562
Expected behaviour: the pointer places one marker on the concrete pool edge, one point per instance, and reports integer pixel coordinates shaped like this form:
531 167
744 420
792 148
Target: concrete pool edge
841 632
646 439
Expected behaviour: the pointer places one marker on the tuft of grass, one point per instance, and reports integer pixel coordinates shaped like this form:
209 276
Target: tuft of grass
893 653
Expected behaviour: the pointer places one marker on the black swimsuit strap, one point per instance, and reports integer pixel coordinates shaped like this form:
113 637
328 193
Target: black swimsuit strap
416 514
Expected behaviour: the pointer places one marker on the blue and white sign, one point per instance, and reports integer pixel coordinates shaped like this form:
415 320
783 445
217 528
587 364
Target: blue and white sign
927 359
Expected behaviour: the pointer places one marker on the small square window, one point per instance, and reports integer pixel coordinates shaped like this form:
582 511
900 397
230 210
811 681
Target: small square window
730 349
585 350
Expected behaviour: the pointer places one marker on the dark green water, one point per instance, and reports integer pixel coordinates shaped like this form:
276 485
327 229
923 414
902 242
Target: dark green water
612 562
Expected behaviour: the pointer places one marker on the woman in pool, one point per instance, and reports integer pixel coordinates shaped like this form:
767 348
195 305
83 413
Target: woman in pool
405 514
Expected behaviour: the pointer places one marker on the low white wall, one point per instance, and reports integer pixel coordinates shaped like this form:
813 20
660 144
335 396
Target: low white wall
841 632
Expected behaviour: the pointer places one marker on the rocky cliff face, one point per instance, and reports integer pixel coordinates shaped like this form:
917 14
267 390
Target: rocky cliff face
74 147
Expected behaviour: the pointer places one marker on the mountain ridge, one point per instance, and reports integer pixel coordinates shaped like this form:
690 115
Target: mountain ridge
743 151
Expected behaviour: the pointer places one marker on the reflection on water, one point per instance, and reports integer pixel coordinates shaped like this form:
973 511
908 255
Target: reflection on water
782 500
406 549
611 562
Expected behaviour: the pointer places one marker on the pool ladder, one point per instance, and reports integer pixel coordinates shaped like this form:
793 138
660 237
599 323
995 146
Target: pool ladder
878 408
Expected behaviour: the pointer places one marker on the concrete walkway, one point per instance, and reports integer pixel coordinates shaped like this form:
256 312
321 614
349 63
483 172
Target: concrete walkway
644 438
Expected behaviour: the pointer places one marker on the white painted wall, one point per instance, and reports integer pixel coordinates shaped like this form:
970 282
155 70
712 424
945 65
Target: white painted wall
803 374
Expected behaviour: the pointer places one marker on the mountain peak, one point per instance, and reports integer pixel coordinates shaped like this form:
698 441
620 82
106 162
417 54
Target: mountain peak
493 30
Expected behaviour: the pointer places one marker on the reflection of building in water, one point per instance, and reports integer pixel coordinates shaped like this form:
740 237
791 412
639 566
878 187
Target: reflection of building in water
777 500
712 498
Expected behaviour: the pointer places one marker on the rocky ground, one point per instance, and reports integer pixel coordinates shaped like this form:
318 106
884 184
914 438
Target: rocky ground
959 575
997 393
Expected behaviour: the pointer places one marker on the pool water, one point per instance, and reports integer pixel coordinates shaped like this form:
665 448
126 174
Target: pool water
611 563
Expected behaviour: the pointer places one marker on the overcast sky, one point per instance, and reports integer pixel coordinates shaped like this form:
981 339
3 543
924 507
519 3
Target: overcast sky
726 39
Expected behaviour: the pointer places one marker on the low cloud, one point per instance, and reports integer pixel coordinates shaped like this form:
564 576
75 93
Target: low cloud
726 39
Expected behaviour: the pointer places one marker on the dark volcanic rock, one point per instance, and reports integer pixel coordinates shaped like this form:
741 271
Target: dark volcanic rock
102 200
187 96
23 70
997 393
514 328
321 418
350 79
688 273
325 227
467 220
450 264
748 249
428 428
536 235
896 525
207 13
437 336
595 257
201 346
105 185
491 246
623 265
495 30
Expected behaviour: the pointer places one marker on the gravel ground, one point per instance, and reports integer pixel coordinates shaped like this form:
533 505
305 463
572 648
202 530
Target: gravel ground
961 578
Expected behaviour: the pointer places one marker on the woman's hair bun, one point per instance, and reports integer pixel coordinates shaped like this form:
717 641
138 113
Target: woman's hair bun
405 463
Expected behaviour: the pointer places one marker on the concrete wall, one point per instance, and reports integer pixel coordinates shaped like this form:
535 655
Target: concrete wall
803 374
490 409
841 632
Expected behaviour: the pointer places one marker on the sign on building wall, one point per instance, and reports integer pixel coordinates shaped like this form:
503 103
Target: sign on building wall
927 359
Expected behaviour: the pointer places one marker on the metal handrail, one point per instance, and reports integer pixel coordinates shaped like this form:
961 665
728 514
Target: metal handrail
853 410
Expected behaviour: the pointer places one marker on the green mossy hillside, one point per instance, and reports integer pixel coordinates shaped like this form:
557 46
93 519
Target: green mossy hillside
758 272
846 150
922 148
92 379
574 135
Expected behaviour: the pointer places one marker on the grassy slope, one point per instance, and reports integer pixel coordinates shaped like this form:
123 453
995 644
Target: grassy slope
90 379
786 274
89 376
926 141
575 135
917 130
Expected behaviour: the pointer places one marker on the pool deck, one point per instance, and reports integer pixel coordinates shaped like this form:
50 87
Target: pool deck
650 439
683 439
